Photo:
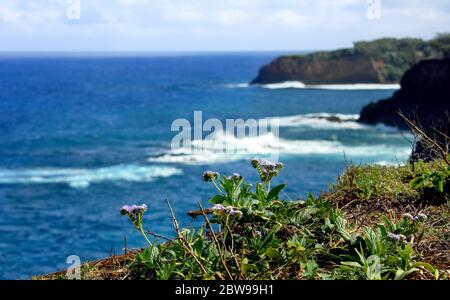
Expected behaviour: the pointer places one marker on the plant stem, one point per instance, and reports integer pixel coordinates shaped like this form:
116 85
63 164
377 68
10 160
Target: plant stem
217 187
142 231
145 236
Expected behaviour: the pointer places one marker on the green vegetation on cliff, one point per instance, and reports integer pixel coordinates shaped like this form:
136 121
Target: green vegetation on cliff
376 222
379 61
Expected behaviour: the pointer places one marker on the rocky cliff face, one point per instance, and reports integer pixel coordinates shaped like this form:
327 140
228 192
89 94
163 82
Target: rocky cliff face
424 97
379 61
346 69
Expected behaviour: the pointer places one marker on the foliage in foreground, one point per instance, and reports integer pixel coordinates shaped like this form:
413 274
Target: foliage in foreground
250 233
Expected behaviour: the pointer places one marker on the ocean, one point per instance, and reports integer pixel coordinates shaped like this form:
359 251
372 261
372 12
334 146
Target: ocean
82 135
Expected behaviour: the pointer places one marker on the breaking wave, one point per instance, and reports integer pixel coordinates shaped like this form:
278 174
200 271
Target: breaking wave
82 178
225 148
330 121
301 85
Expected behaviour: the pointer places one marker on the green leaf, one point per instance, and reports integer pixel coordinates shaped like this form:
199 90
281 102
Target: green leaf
273 194
246 267
217 199
401 274
429 268
272 253
416 181
351 264
198 246
310 199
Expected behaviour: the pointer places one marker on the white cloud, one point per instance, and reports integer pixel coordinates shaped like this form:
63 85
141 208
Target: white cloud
287 17
218 24
230 16
182 14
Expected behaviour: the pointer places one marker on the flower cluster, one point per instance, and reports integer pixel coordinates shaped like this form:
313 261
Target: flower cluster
397 237
235 177
229 210
134 212
267 169
418 217
210 176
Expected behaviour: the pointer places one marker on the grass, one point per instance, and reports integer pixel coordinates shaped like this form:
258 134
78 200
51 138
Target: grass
371 224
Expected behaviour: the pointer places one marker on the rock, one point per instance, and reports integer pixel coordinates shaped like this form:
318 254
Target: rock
346 69
424 97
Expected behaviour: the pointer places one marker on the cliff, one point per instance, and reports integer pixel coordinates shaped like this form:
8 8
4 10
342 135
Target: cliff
424 97
380 61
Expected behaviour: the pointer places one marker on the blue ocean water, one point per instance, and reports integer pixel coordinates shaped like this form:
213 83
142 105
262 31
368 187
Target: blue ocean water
80 136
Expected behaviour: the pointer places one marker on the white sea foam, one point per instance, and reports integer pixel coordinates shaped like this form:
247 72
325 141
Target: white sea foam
389 163
329 121
301 85
239 85
320 120
356 86
265 145
284 85
82 178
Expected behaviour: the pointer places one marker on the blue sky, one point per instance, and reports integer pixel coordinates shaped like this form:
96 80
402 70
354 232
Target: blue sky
212 25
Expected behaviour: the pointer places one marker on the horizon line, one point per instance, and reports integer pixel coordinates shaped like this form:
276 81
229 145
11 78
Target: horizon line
141 52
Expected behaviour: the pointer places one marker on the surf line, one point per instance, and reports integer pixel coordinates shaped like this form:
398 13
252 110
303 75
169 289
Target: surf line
191 138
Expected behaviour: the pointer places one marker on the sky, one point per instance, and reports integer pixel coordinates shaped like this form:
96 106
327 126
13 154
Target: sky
212 25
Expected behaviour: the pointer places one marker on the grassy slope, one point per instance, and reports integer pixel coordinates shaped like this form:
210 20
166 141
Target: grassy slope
330 237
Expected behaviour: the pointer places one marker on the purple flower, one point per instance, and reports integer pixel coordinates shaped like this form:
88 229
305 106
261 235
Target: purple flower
409 216
236 213
255 162
235 177
133 209
396 237
267 169
418 217
210 176
134 212
218 208
229 210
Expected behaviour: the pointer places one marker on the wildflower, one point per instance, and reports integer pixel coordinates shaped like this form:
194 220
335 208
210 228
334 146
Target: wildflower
229 210
235 177
133 210
218 208
418 217
396 237
236 212
255 162
210 176
409 216
267 169
421 217
135 213
258 233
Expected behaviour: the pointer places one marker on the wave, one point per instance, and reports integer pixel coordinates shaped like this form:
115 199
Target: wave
239 85
320 120
329 121
82 178
284 85
225 148
301 85
389 163
356 86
